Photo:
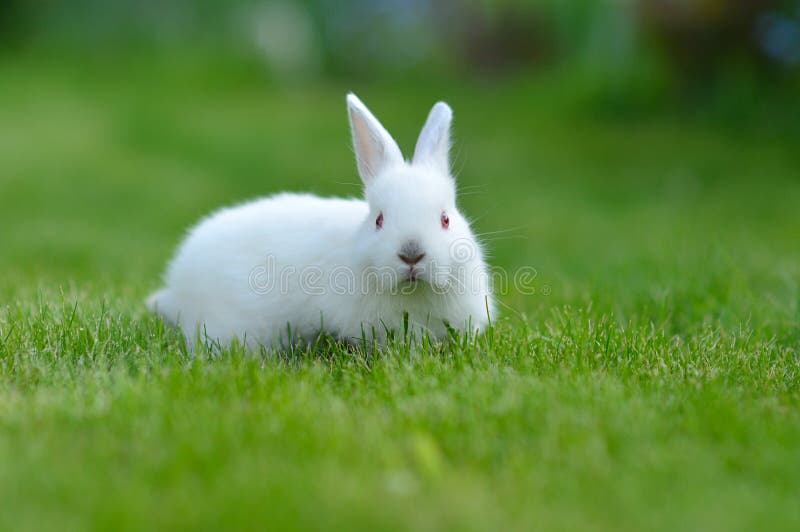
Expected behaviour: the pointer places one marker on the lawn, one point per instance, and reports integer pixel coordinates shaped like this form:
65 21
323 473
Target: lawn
652 381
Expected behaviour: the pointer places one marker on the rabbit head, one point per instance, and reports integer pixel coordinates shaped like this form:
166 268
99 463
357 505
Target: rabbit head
414 234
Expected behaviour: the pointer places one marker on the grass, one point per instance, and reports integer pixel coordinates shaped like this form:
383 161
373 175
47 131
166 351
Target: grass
651 382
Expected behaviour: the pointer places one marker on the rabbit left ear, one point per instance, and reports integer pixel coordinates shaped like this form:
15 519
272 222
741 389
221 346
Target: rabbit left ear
375 148
433 145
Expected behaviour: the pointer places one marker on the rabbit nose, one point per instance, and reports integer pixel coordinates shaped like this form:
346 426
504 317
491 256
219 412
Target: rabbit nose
411 260
411 252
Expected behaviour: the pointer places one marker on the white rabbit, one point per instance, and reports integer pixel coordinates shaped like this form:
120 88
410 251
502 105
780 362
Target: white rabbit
297 264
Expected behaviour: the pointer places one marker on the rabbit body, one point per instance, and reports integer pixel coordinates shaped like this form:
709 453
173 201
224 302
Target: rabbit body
290 266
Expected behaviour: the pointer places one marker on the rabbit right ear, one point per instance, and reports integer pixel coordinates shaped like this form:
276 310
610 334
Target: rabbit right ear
375 148
433 145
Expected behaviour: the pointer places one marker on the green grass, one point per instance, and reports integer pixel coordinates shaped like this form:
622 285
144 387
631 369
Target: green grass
652 382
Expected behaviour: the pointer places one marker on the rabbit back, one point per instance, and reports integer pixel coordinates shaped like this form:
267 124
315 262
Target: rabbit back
239 272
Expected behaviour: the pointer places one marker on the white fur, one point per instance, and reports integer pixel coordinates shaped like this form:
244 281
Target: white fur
299 264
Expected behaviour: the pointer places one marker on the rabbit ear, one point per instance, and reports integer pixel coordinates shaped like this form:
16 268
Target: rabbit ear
375 148
433 145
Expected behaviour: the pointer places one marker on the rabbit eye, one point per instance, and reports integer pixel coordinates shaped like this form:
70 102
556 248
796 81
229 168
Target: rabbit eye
445 220
379 220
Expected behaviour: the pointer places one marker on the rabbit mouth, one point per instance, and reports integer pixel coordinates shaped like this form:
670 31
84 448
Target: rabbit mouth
412 275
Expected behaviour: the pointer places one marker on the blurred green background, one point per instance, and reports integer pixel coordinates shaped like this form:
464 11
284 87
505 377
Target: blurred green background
115 110
642 155
609 142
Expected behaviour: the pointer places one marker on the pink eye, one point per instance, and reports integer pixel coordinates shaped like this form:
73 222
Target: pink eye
445 221
379 220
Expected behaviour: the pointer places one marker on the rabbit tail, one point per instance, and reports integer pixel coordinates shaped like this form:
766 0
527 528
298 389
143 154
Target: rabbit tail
161 303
